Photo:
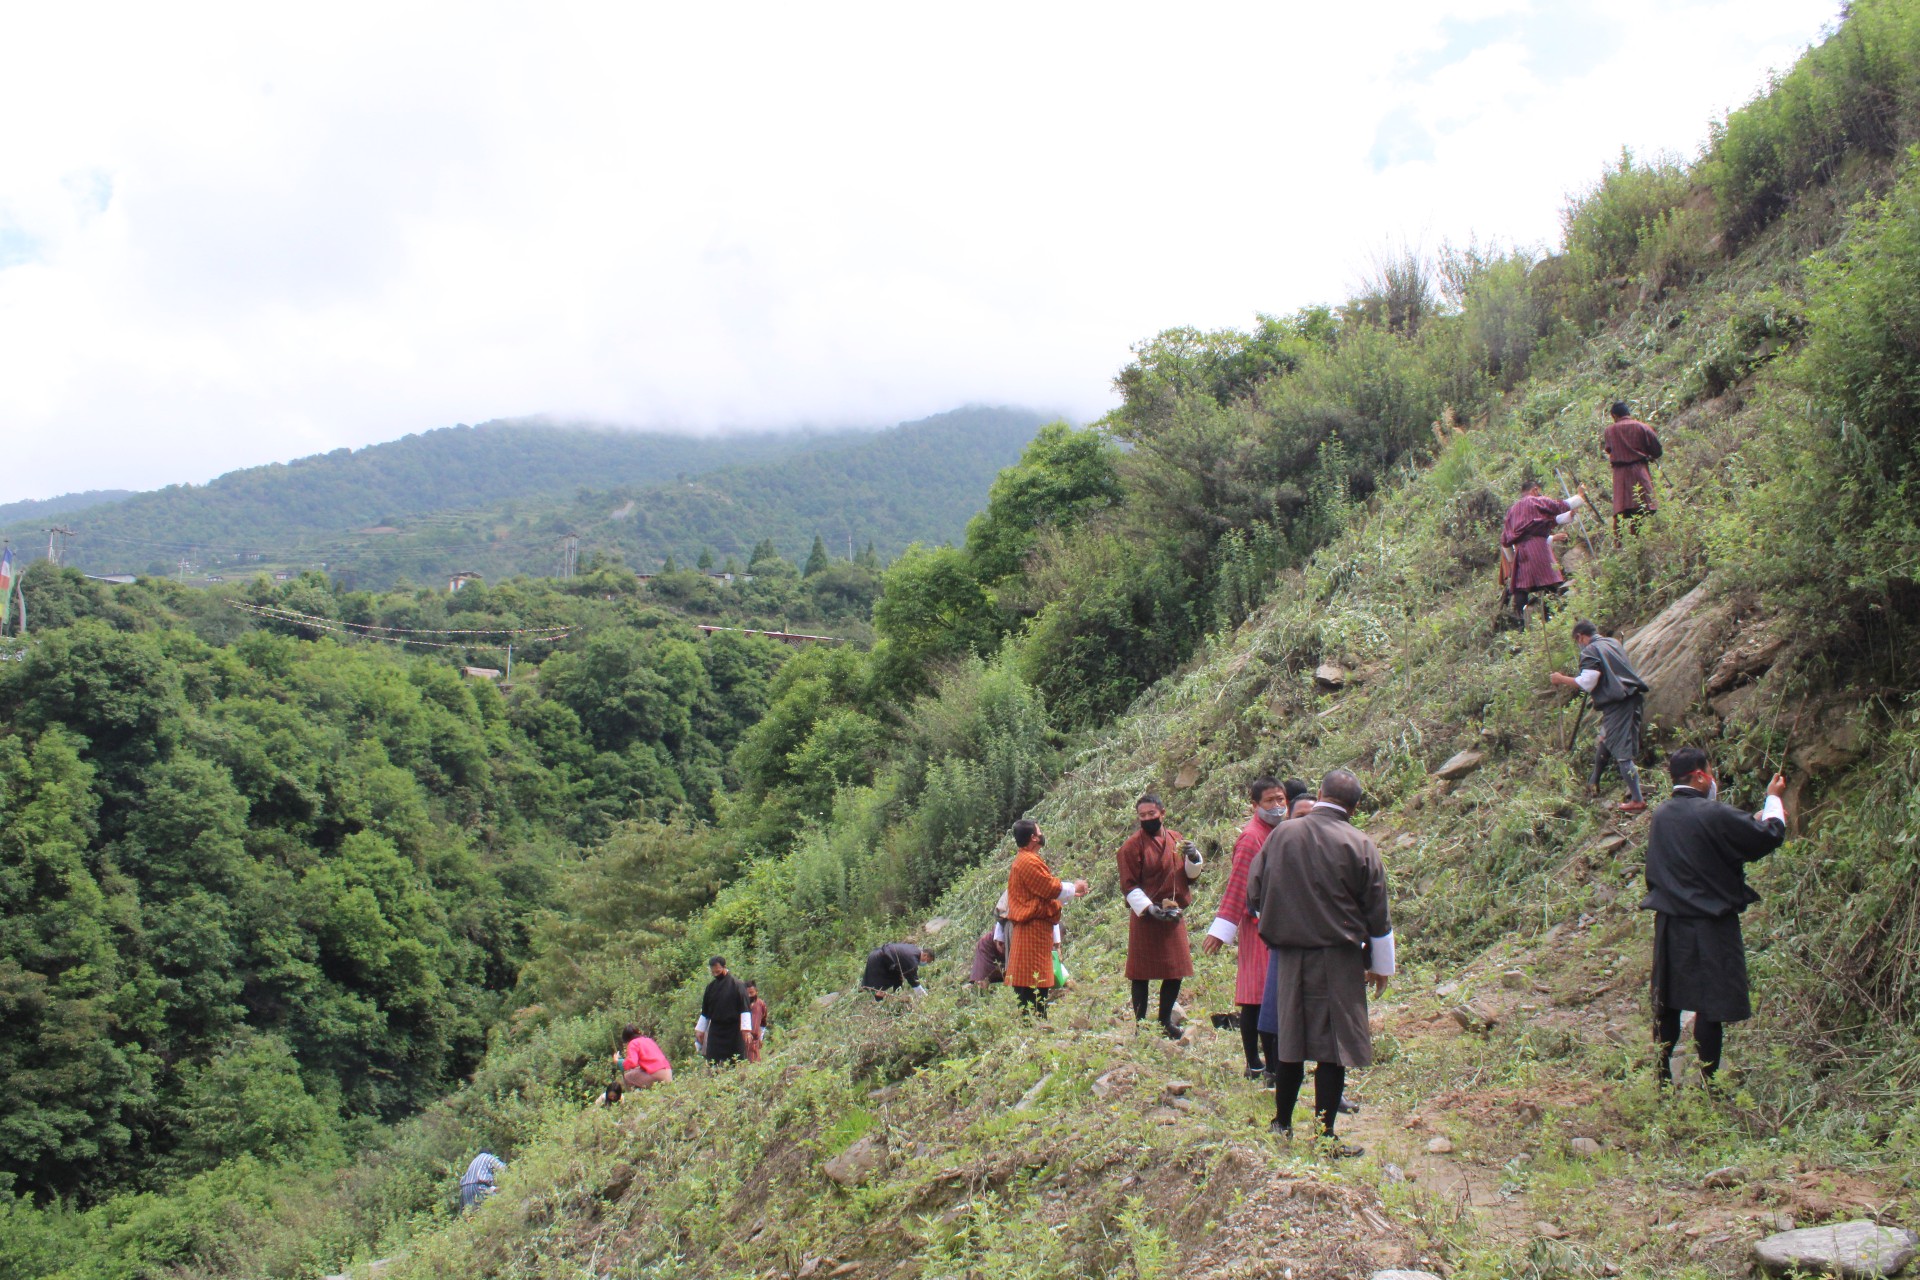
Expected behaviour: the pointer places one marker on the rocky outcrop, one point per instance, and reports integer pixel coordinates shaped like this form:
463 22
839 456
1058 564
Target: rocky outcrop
1671 654
1837 1249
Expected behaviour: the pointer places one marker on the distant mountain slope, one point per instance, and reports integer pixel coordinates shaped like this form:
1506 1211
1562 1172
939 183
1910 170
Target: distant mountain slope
918 482
285 511
14 513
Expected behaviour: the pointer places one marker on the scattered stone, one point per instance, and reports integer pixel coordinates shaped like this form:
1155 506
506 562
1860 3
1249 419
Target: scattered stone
1178 1088
619 1178
1406 842
1605 895
808 1266
1439 1146
1720 1179
932 927
1838 1248
1584 1147
1183 1104
1550 1230
1189 775
1460 765
1527 1112
885 1093
1610 844
1475 1015
1394 1173
1515 980
1032 1095
845 1269
1329 676
1163 1115
857 1163
1446 989
1112 1083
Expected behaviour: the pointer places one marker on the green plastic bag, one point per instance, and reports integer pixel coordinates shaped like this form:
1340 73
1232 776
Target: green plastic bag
1060 974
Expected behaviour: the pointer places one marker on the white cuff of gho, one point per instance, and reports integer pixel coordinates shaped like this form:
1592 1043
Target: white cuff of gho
746 1023
1588 681
1066 891
1193 868
1224 929
919 990
1773 808
701 1026
1382 956
1138 900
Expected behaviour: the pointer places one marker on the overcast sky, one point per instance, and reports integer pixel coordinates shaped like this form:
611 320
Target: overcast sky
238 235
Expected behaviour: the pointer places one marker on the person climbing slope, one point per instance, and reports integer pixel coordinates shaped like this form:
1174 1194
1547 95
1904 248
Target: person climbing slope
1530 525
1630 445
1618 693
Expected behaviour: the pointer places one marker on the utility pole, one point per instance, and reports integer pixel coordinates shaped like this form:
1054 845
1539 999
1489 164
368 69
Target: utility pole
570 554
63 533
183 568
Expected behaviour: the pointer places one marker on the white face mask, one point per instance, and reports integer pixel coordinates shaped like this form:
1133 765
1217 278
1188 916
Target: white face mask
1713 789
1273 816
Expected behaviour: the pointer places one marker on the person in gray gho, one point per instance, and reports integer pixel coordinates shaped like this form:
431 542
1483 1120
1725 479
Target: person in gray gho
1618 693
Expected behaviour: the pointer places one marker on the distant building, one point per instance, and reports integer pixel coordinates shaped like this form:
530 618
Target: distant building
482 673
122 578
460 580
795 638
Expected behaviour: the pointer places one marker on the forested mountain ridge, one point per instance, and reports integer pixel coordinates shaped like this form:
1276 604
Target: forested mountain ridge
12 514
497 498
1324 489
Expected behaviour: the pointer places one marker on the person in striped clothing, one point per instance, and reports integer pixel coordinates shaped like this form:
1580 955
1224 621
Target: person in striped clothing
1234 926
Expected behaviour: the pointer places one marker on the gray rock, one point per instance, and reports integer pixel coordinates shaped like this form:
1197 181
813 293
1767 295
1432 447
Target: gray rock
1032 1095
1460 765
1838 1248
1329 676
1550 1230
1585 1147
1515 980
821 1002
1176 1088
1475 1015
1727 1176
1189 775
1446 989
857 1163
933 927
1182 1104
1440 1146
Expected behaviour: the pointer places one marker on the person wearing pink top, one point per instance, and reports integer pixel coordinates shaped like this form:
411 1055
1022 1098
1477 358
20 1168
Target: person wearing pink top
1233 925
644 1064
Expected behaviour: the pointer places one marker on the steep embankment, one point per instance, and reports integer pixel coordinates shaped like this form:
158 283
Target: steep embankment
967 1143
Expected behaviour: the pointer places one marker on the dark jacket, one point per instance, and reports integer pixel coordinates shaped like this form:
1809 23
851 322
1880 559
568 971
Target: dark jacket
1318 882
1697 855
889 967
722 1004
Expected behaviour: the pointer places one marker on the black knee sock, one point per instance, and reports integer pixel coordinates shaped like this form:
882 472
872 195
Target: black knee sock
1270 1042
1287 1078
1140 986
1666 1032
1169 992
1031 1001
1709 1038
1329 1082
1251 1040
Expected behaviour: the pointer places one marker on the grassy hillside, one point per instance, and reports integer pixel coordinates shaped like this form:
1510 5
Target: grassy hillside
1323 489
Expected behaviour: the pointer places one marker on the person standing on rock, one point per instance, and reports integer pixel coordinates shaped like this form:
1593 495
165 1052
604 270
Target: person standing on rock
1527 537
1697 855
1630 445
894 965
1034 898
1157 871
1233 925
726 1019
1618 694
1320 891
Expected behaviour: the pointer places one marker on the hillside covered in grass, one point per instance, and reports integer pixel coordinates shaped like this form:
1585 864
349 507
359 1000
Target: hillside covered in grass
1145 605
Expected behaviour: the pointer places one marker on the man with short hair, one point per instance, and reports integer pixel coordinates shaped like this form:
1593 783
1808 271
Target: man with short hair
725 1019
894 965
1630 445
1034 898
1157 871
1320 891
1299 797
1618 694
1697 855
1526 545
1233 925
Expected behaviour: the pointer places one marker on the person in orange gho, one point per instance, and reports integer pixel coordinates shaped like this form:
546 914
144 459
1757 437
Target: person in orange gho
1034 898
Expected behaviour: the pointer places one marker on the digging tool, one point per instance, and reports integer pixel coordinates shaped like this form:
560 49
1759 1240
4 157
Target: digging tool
1573 737
1567 494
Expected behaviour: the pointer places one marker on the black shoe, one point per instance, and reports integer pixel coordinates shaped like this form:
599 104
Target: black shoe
1173 1032
1348 1107
1256 1073
1279 1130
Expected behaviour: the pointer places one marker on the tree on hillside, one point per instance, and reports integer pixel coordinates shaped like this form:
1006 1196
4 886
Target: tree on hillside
816 558
705 562
1063 476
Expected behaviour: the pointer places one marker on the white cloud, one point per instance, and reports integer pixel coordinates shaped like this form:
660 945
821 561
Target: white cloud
340 225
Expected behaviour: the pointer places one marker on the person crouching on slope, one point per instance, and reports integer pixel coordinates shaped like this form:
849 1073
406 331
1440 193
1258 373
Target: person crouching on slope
1157 871
1034 898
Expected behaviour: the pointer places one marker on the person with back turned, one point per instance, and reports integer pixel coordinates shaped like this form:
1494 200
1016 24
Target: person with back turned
1526 540
1697 855
893 965
1618 693
1320 890
1630 445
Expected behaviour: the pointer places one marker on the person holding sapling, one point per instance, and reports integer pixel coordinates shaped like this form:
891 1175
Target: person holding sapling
1157 871
1320 891
1697 855
1034 898
1618 693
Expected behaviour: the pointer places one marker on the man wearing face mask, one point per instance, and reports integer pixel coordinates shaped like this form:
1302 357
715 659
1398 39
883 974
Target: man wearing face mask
1618 693
1235 926
1157 871
1697 855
